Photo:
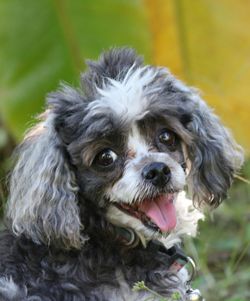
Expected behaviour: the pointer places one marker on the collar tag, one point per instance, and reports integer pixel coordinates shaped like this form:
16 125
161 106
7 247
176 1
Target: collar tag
173 258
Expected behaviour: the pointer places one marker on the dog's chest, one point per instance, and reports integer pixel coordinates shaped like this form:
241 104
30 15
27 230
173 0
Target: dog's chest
103 277
124 291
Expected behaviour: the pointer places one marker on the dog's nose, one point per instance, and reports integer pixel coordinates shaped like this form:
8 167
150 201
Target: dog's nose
157 173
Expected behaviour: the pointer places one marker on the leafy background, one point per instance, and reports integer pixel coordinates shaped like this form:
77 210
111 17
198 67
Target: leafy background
206 43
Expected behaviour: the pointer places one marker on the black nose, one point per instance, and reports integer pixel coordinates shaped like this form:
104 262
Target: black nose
157 173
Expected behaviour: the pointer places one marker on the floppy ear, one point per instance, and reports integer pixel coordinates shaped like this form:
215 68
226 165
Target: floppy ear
43 190
215 156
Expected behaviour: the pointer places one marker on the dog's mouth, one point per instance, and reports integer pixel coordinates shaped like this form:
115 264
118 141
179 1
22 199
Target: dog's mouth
158 213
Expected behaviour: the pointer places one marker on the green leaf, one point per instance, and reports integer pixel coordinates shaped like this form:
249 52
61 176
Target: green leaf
43 42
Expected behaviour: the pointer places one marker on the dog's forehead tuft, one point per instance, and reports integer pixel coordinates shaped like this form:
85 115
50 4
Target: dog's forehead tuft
125 91
114 63
120 84
127 98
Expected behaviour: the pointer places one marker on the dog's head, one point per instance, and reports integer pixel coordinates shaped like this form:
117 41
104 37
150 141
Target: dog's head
128 143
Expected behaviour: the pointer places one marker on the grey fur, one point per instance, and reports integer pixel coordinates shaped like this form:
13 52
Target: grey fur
42 202
214 154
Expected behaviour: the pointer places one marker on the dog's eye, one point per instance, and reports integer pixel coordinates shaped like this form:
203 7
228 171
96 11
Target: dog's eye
105 158
168 138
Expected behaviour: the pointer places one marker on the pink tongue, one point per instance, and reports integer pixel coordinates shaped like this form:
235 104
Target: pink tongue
161 211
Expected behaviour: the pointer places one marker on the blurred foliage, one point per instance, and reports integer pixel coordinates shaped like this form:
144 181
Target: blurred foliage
206 43
43 42
7 145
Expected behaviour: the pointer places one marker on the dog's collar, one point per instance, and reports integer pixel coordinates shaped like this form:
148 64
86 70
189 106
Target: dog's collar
173 258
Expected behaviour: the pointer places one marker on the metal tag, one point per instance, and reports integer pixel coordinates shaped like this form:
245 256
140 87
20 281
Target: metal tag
194 295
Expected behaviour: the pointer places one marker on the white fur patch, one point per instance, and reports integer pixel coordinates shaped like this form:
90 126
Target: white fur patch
8 288
126 97
183 275
187 220
136 143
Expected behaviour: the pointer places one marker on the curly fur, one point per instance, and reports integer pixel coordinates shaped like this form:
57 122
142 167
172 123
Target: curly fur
60 243
42 202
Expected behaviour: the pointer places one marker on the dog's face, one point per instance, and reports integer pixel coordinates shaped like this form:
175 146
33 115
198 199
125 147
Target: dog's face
137 169
132 162
153 174
129 144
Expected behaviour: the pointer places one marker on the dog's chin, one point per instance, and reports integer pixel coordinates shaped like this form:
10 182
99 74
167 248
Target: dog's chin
151 217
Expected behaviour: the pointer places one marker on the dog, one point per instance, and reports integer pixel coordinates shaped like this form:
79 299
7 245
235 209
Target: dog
97 195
